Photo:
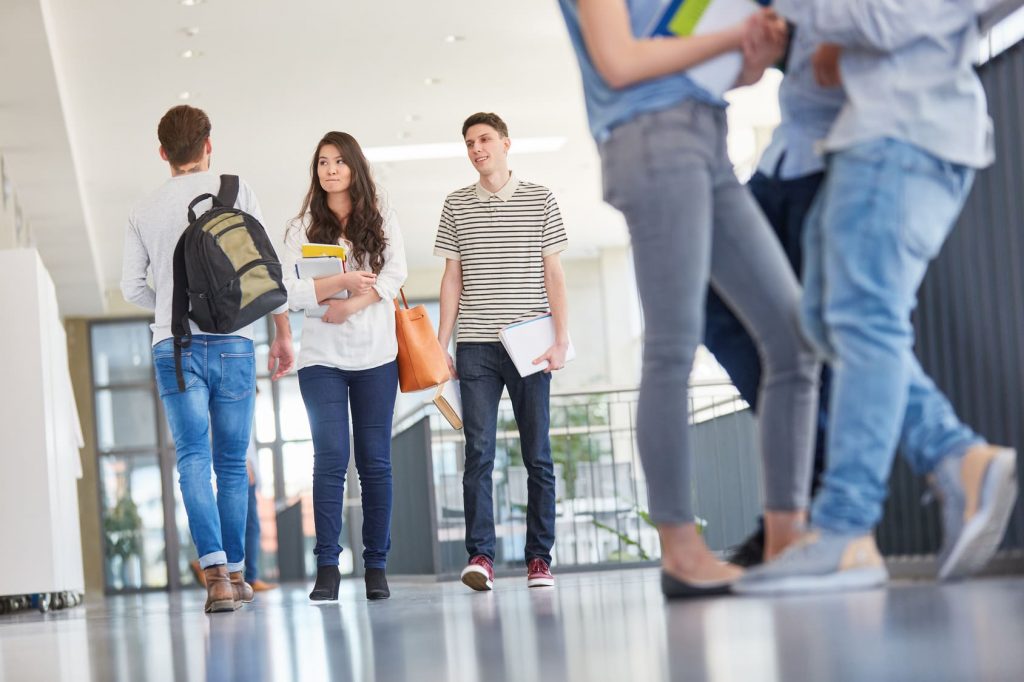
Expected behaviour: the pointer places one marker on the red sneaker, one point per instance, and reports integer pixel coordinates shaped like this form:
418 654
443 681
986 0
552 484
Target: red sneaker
479 573
538 574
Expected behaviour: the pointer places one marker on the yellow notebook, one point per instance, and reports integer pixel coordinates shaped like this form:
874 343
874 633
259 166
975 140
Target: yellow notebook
315 250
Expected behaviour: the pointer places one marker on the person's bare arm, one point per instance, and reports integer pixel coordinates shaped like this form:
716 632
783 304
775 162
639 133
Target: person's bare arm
451 292
554 282
282 353
623 60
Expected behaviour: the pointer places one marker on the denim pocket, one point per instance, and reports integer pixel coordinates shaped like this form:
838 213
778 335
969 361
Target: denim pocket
934 191
166 377
237 375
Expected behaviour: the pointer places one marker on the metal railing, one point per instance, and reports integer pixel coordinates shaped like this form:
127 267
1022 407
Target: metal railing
601 492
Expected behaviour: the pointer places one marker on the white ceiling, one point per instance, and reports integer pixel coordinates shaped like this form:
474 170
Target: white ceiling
78 113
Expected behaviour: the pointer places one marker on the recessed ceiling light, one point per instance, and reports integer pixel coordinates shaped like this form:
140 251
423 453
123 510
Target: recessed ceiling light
189 54
411 118
184 94
454 39
190 31
191 3
454 150
404 135
431 81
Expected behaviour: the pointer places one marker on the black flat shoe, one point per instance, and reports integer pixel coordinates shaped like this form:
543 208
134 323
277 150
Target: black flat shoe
674 588
376 584
750 552
328 578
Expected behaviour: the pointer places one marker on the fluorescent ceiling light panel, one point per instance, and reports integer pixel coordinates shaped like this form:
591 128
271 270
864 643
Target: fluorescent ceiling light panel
456 150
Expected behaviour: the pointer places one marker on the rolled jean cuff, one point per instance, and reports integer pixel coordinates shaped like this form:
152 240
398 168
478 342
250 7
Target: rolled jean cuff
960 449
213 559
236 567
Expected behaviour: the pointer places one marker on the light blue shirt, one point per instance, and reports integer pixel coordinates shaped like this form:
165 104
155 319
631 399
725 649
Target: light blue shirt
608 107
808 112
908 71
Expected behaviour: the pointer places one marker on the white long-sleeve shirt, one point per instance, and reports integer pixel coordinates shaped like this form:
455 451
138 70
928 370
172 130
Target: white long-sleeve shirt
908 72
367 338
154 227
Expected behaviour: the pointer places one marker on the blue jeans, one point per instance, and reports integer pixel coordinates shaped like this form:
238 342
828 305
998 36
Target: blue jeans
484 370
883 214
217 405
252 538
786 204
328 393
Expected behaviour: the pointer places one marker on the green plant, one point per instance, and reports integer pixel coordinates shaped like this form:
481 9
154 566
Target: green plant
122 527
630 542
625 539
576 444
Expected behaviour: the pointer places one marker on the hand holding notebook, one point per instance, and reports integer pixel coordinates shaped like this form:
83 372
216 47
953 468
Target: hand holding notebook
530 339
698 17
318 267
448 399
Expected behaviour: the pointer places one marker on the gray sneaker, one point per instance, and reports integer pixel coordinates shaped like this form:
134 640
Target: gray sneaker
977 492
819 562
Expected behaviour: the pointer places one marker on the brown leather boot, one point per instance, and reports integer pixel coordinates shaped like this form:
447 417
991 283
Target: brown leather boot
220 594
243 590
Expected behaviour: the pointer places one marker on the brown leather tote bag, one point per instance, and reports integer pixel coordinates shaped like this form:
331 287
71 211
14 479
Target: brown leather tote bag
421 361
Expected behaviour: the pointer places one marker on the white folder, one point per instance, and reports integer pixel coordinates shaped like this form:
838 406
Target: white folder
527 340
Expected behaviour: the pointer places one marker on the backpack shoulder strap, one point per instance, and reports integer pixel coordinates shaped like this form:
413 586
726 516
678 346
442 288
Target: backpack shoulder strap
180 327
228 194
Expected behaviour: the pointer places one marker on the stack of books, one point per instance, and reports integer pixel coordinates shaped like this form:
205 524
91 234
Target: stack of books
321 260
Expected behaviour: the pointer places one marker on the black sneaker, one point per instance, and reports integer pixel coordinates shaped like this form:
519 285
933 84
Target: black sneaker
750 552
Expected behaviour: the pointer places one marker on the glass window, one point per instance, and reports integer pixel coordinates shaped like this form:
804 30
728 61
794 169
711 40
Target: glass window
133 522
186 549
122 353
294 420
125 419
298 468
266 431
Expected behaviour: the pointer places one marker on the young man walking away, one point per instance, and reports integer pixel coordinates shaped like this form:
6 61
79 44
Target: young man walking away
211 419
501 238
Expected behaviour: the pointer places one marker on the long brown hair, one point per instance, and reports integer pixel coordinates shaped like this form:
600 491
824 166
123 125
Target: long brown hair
365 226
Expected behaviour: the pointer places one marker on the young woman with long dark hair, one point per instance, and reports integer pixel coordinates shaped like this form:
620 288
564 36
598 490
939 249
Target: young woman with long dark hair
347 359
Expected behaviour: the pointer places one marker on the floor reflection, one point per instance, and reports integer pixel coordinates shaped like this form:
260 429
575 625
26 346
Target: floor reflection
593 626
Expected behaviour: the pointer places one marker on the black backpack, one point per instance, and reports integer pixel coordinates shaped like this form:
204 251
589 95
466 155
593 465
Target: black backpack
226 272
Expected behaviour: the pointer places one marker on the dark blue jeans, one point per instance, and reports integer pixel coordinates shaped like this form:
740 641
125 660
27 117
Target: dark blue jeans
252 538
786 204
211 422
328 393
484 370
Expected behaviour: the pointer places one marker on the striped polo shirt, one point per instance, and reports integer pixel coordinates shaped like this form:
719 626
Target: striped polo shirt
501 238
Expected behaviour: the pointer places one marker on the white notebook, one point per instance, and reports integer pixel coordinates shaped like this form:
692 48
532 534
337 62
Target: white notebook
315 268
527 340
699 17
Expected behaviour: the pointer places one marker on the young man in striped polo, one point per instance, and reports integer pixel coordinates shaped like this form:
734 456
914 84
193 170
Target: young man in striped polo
501 237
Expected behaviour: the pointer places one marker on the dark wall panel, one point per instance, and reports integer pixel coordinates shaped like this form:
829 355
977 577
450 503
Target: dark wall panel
970 322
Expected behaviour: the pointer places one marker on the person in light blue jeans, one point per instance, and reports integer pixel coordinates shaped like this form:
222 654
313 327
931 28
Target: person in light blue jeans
220 375
218 369
903 157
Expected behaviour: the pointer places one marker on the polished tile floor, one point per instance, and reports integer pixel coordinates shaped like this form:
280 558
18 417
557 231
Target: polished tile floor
591 627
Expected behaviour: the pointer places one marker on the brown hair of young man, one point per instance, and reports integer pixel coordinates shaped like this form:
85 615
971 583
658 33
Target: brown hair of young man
485 118
183 132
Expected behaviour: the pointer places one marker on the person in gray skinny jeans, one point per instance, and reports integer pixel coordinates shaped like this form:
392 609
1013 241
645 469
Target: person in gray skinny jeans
662 139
